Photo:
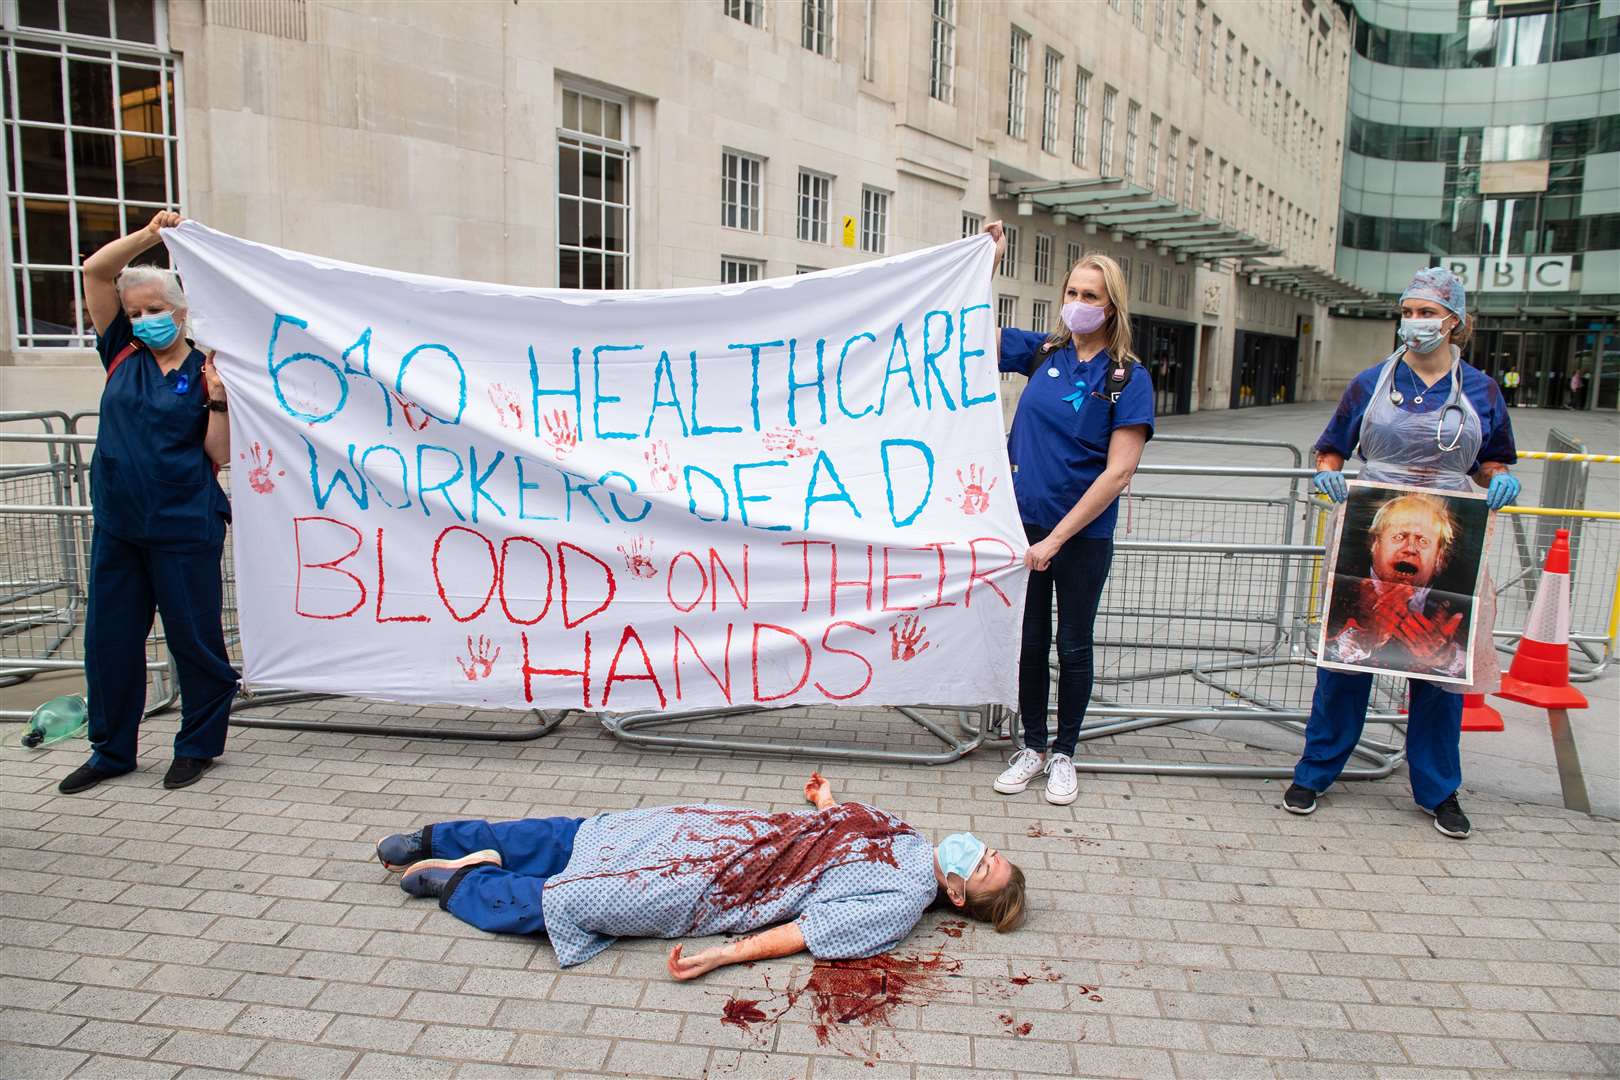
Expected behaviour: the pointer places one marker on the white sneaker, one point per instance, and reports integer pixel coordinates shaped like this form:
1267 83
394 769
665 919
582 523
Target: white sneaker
1062 786
1024 767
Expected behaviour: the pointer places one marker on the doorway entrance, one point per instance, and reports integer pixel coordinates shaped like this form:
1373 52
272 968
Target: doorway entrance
1264 369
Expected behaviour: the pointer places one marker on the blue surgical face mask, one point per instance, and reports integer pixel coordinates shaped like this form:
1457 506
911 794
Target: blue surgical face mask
1423 335
157 331
959 854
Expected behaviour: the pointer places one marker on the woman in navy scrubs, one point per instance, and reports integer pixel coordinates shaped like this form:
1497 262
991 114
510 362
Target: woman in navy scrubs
1076 439
159 517
1422 418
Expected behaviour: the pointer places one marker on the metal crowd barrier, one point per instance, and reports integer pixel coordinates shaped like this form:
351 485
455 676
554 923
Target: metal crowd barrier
1210 615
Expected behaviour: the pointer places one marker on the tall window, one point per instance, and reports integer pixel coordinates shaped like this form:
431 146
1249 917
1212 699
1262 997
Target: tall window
1040 314
1188 196
1254 86
1071 255
1181 28
1161 15
1051 94
1137 8
734 270
1172 165
751 12
1082 107
1009 253
593 193
815 197
92 144
1263 105
1132 112
740 191
1152 179
1006 312
1242 74
1105 151
816 28
972 224
874 220
1043 259
1144 281
1214 51
1017 82
1198 37
1231 66
942 52
1220 196
1207 192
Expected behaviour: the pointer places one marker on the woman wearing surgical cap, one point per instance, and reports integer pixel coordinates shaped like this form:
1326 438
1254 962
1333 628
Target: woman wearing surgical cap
1420 417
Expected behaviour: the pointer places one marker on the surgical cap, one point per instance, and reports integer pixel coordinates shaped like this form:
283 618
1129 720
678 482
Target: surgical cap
1440 285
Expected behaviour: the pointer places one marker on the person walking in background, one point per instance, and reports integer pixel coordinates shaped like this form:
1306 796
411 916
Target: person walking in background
159 517
1420 418
1510 385
1577 390
1077 437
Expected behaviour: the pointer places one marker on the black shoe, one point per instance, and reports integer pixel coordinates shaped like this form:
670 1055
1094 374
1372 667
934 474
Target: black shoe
432 877
1449 818
186 771
401 850
1299 799
86 777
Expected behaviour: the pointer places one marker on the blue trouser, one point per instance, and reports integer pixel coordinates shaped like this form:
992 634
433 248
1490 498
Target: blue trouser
1339 713
127 582
1076 574
503 899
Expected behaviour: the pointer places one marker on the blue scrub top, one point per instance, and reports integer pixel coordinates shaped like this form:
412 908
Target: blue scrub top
1057 450
150 481
1496 431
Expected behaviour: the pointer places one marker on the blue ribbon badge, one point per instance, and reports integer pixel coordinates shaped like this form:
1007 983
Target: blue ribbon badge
1078 398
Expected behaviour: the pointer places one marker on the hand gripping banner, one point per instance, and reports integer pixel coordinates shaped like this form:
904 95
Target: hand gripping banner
788 491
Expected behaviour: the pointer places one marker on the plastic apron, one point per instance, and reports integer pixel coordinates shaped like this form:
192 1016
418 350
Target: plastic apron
1400 447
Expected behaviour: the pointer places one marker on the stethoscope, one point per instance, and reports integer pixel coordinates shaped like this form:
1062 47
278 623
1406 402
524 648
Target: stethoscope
1453 401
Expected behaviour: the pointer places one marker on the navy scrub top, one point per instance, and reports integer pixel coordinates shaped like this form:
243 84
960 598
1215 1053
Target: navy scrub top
1342 434
150 481
1058 451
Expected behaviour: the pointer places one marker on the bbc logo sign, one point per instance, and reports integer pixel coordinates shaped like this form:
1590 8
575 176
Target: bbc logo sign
1535 273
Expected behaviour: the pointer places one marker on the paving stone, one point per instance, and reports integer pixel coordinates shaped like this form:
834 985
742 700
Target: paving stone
299 1060
110 1037
208 1050
105 1067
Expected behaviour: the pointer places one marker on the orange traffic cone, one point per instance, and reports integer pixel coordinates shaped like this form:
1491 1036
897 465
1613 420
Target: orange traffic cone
1540 672
1479 716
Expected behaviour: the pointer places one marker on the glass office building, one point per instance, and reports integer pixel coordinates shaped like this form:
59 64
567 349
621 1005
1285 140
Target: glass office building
1484 135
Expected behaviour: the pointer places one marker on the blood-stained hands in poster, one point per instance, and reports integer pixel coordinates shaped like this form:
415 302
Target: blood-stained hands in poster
1404 571
784 491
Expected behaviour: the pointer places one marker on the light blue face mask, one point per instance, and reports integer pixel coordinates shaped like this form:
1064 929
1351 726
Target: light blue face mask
959 854
1423 335
157 331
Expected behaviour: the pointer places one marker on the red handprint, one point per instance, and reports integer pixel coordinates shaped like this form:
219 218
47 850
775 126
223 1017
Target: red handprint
660 476
1429 638
904 635
260 478
480 662
416 417
975 497
560 433
790 442
636 560
508 410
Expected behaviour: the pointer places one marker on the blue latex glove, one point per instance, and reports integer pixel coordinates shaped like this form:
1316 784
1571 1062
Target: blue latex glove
1503 491
1330 482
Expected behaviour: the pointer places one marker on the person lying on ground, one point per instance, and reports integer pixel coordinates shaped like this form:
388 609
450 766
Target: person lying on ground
844 880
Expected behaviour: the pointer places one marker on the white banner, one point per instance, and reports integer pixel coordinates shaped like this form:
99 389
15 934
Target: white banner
788 491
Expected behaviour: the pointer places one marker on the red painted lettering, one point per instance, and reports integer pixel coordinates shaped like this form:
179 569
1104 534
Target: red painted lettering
438 581
830 647
382 577
888 577
669 590
866 582
939 590
725 687
330 564
583 671
646 663
506 567
804 675
716 568
569 620
804 556
975 574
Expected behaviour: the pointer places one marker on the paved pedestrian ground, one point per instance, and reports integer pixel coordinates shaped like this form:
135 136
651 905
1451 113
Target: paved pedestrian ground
1180 926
